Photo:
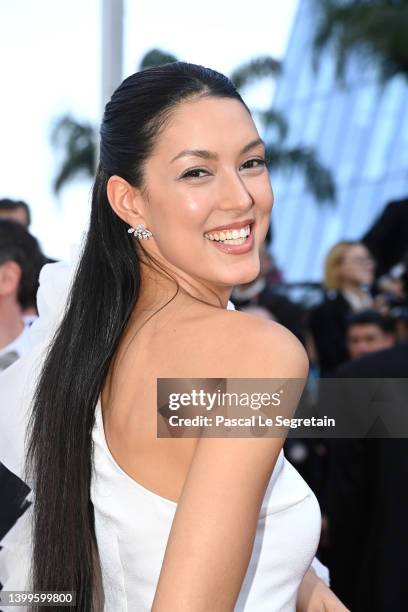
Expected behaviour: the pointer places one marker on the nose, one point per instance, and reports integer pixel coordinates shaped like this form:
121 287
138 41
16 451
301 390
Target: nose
233 193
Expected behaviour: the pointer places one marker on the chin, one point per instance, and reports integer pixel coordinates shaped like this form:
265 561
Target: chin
247 275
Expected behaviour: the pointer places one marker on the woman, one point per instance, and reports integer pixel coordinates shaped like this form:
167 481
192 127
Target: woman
128 520
348 275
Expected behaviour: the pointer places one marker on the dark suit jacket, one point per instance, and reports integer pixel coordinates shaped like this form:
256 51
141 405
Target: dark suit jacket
387 239
368 505
328 323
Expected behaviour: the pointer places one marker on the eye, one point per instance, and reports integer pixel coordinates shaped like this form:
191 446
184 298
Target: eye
254 163
194 173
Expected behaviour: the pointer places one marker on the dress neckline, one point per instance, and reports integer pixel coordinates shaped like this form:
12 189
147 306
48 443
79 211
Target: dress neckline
100 427
135 483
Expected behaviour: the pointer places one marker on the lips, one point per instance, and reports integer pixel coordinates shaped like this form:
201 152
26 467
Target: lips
231 226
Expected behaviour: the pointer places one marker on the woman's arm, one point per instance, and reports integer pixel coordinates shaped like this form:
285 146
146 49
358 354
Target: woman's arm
315 596
212 535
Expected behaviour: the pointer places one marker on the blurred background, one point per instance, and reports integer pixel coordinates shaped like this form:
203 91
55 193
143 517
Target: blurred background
327 81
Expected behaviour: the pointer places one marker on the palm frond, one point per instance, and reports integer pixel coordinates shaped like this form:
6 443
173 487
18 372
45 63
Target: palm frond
254 70
156 57
273 118
318 178
369 30
77 141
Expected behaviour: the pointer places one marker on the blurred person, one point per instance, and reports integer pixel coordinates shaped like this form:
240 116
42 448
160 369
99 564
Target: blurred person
369 331
348 275
367 504
391 288
19 211
20 263
390 284
400 317
399 305
387 239
15 209
181 163
21 260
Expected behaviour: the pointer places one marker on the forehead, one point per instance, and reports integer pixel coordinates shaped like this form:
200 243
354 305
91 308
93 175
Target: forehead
216 124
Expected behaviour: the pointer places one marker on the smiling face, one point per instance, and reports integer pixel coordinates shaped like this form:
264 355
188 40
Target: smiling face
207 170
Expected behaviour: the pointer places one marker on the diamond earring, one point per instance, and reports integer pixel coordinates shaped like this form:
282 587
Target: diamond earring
140 232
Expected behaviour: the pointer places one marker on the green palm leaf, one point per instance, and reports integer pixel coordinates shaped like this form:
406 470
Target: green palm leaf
156 57
77 140
318 178
370 30
254 70
273 118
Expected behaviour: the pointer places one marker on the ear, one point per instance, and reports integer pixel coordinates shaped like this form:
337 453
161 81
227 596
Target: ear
126 201
10 275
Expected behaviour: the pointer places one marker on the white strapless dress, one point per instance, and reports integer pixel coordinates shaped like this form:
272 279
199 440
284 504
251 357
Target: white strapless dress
133 524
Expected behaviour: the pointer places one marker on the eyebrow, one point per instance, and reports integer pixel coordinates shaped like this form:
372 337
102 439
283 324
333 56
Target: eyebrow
210 155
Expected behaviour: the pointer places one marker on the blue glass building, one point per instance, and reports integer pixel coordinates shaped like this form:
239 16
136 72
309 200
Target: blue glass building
359 131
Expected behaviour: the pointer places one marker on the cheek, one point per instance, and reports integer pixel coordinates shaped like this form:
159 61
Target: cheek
352 272
179 220
263 195
194 208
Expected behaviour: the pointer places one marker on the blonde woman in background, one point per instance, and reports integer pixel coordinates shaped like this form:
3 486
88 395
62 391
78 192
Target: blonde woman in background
348 276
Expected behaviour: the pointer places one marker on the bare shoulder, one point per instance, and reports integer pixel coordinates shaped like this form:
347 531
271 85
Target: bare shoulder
208 550
256 347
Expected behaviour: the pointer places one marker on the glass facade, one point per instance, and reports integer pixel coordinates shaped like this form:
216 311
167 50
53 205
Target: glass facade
359 130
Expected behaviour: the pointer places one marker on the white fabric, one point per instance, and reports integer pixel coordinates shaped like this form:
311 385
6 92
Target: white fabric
133 523
21 344
29 319
294 534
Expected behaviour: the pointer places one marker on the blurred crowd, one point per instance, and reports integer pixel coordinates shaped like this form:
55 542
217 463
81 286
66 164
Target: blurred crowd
353 324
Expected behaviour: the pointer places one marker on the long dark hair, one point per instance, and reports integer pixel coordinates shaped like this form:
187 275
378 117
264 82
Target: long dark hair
104 293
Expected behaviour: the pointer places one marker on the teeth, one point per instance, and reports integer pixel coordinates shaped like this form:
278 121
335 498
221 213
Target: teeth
230 235
236 241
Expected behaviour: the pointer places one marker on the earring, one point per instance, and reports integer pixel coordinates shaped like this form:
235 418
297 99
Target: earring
140 232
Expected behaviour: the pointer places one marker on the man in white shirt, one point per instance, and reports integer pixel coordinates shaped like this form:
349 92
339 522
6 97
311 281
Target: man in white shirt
21 261
13 334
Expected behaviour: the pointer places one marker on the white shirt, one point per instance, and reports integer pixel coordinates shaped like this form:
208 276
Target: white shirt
20 345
